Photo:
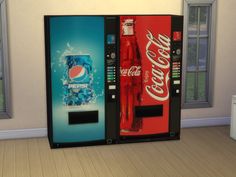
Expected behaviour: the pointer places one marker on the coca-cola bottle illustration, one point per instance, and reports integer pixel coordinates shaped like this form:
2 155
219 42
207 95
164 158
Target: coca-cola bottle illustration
130 76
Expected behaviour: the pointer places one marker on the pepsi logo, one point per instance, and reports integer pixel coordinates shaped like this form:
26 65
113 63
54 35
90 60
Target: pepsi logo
77 73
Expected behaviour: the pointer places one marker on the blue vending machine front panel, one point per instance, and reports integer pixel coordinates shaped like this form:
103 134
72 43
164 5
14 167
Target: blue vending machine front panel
77 78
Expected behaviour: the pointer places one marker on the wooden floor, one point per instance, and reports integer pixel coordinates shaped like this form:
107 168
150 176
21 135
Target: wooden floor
201 152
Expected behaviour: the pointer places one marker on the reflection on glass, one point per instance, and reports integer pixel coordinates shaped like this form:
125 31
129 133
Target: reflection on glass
193 20
2 99
204 20
203 54
190 82
202 86
192 54
197 53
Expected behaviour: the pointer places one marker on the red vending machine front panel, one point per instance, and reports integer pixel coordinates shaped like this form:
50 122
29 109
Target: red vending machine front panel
145 45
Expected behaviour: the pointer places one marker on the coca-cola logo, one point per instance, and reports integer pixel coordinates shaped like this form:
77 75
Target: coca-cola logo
132 71
157 52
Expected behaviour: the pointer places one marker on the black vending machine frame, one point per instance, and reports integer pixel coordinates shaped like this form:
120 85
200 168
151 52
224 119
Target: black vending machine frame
112 106
112 114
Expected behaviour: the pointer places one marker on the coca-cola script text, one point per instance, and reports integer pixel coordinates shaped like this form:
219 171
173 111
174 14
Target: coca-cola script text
132 71
157 52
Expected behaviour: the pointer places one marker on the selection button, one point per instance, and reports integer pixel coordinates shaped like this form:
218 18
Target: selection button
176 82
112 87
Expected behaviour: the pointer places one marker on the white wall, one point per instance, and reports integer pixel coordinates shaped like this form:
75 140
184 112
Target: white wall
26 51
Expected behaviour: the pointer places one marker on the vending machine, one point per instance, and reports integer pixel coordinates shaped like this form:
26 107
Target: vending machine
113 79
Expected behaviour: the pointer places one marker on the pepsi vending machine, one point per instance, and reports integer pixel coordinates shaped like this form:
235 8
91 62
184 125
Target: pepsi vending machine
113 79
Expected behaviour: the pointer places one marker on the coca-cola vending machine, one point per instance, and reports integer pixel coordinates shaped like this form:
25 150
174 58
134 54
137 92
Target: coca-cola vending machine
113 79
150 76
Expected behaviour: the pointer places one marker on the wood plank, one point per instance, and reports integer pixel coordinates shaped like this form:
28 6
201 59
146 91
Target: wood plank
223 134
194 160
74 164
34 159
142 169
154 159
123 161
201 152
2 143
175 161
46 158
201 160
22 158
111 162
9 159
221 157
86 162
182 153
60 163
98 162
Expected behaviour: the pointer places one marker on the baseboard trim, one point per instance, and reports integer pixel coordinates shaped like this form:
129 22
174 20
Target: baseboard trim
205 122
185 123
23 133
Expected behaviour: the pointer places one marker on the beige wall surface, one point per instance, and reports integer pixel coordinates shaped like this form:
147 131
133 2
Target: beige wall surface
27 60
225 61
